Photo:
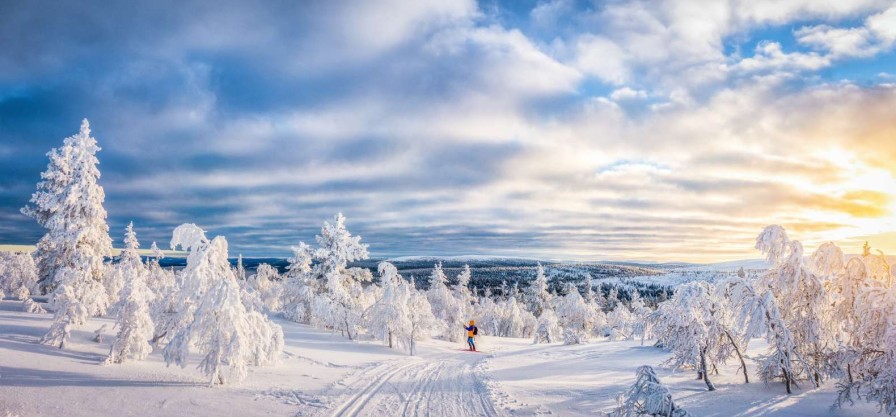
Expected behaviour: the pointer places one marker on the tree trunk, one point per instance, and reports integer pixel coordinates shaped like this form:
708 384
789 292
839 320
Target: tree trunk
740 357
786 380
849 372
709 385
390 339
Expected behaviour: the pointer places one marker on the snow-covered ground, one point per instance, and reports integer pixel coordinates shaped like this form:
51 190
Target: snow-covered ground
324 374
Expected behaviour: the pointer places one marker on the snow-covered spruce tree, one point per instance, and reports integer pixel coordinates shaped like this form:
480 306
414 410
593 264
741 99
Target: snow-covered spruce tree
807 315
389 317
620 323
445 306
647 397
18 275
537 296
462 293
68 203
548 328
214 320
299 287
341 302
575 317
129 264
134 321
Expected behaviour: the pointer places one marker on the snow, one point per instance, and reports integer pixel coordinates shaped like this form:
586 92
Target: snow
321 373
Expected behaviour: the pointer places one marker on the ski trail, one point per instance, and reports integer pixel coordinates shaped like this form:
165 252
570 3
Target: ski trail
443 385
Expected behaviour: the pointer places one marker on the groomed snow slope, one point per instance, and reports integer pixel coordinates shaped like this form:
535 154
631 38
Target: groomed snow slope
323 374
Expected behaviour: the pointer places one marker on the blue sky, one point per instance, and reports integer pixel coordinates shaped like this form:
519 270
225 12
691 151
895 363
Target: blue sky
664 130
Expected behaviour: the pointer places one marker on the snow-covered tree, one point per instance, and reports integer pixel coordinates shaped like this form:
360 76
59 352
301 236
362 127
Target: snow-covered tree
575 317
18 275
537 296
389 317
240 270
620 323
68 203
264 289
420 317
214 320
341 302
807 312
647 397
299 286
698 328
134 321
548 328
445 306
757 313
640 312
462 292
865 305
165 286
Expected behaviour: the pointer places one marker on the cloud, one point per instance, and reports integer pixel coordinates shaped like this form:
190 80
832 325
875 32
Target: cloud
629 130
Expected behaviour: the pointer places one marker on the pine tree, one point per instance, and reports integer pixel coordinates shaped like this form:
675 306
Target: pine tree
537 297
340 304
134 322
68 203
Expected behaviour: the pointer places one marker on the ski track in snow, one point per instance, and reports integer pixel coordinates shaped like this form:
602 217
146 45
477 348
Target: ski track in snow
446 384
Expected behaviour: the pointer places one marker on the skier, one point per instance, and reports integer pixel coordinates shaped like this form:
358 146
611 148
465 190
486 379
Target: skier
472 331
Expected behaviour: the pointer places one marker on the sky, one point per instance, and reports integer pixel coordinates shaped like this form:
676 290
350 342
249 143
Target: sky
576 130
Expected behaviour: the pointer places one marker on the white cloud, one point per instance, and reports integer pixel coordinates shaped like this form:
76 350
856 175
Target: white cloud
627 93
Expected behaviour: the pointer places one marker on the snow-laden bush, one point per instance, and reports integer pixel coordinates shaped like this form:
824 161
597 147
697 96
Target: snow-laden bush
504 318
620 323
214 320
262 290
647 397
68 203
30 306
548 328
18 275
